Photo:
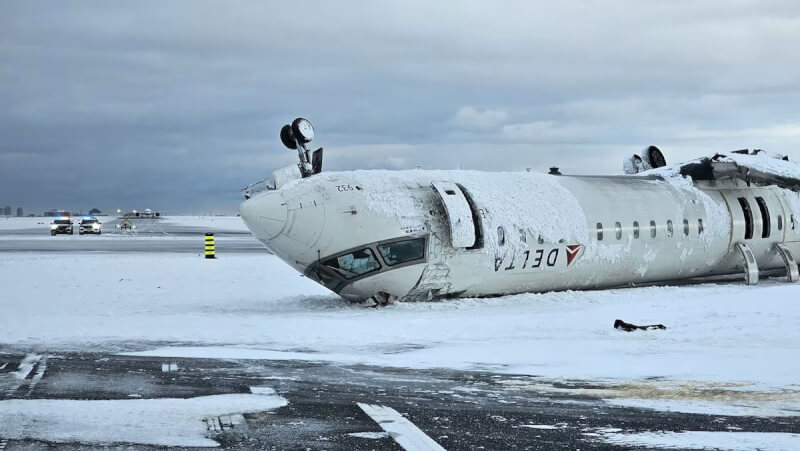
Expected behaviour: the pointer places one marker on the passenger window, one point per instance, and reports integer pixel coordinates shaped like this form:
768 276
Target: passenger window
780 222
618 228
748 218
354 264
652 229
501 236
599 231
700 227
402 251
765 219
636 229
669 228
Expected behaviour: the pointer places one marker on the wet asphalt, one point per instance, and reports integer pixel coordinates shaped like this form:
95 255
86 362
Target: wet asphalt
459 410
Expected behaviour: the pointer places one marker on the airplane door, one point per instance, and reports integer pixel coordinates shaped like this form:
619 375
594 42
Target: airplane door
459 213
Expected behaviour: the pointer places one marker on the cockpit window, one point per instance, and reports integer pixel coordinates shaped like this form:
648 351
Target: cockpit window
402 251
354 264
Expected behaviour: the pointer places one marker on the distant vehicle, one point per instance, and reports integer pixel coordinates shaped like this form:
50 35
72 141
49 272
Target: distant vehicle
61 224
136 214
126 225
89 225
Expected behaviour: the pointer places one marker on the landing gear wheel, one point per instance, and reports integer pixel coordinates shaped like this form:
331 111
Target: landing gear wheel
655 157
303 130
287 138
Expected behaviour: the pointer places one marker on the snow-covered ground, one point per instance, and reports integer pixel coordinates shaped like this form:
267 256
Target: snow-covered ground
9 223
211 223
165 421
214 223
730 441
728 348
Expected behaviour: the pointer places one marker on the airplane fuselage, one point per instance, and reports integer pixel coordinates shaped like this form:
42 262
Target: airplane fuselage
432 234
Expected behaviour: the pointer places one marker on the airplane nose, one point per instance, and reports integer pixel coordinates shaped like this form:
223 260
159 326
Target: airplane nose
264 215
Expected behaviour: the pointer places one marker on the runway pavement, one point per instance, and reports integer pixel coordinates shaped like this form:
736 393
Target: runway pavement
150 235
338 407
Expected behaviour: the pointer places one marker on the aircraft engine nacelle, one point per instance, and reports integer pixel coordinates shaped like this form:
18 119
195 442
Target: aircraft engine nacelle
651 158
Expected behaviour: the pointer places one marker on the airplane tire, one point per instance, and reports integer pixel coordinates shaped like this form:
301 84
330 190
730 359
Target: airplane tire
655 157
298 126
287 138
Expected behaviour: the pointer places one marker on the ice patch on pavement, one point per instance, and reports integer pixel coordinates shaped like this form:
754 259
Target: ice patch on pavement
757 404
540 426
370 435
260 390
732 441
166 422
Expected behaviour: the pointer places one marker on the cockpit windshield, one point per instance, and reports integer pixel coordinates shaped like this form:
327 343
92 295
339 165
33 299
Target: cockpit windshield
402 251
354 264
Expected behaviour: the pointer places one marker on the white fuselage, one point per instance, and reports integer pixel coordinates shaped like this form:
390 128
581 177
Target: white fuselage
433 234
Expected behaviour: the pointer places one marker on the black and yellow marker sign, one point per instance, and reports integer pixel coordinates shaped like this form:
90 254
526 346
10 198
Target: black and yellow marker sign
210 250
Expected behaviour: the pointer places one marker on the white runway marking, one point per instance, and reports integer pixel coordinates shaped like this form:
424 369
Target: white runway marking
404 432
38 376
26 365
19 376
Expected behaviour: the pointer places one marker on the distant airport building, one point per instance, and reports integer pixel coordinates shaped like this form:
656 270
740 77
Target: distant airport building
19 212
7 211
56 212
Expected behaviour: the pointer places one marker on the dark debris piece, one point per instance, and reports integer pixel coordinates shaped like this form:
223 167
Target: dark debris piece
628 327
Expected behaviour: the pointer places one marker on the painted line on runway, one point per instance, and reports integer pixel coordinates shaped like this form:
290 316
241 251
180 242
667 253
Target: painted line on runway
23 372
404 432
3 444
26 366
38 376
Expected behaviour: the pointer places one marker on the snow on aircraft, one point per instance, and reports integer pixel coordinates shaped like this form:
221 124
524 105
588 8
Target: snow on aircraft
427 234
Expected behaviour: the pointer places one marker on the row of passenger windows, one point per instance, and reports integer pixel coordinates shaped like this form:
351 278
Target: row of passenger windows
766 222
653 229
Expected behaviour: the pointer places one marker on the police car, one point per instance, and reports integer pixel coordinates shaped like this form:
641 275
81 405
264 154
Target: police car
61 224
89 225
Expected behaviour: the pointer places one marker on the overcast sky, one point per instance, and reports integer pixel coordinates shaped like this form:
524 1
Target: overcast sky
176 105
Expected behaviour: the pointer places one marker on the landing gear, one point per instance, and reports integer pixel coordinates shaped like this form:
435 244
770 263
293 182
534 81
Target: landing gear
792 274
750 264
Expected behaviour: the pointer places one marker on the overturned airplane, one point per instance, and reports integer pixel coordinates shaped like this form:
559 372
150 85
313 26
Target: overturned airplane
424 234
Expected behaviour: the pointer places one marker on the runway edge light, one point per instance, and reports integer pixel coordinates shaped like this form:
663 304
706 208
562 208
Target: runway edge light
210 251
